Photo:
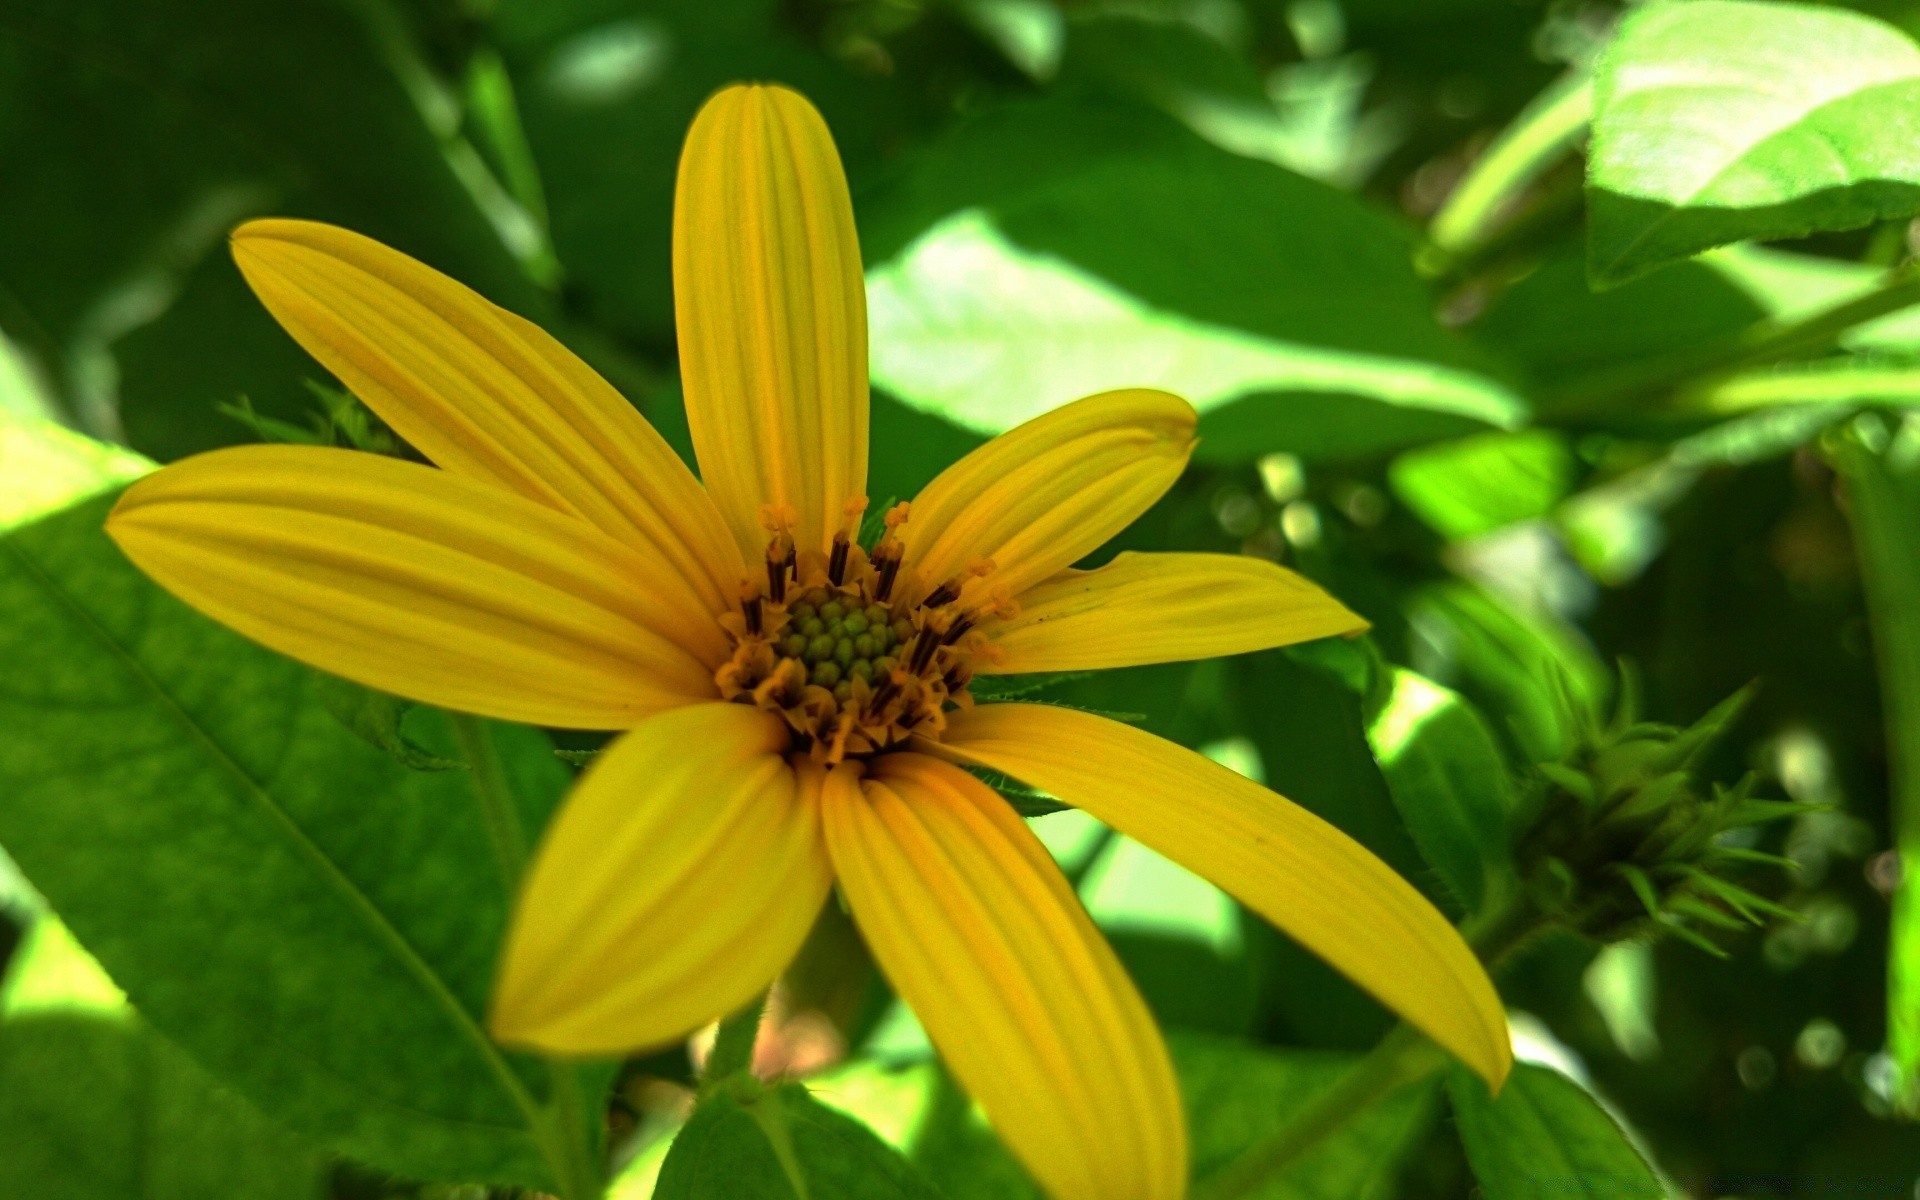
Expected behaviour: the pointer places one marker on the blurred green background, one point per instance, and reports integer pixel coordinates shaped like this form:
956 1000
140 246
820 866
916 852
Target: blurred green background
1412 394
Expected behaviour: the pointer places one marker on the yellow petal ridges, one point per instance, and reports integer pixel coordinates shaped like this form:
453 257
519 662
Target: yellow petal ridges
1327 891
416 582
1039 497
681 876
1153 608
772 314
978 931
484 393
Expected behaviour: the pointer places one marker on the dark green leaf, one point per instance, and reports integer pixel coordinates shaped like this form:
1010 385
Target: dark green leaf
376 718
182 797
1546 1136
1725 120
782 1144
1451 784
93 1108
159 125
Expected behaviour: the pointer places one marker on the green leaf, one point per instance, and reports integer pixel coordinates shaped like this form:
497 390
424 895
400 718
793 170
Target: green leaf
1238 1095
44 467
782 1144
1520 667
1723 120
1451 784
201 116
375 718
1479 484
311 921
1235 1093
1546 1136
1019 276
93 1108
1883 485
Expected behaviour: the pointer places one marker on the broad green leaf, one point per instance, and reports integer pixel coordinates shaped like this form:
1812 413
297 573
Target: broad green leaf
1236 1094
93 1108
51 973
1048 250
156 126
1723 120
1883 484
782 1144
1546 1136
313 922
44 467
1521 668
1479 484
379 720
1451 784
972 327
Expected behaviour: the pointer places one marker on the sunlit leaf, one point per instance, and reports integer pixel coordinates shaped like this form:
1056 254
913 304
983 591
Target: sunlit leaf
1724 120
1546 1136
181 797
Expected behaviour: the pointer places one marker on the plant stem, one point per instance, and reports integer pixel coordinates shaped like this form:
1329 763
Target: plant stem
497 809
1761 343
1547 129
733 1043
1403 1057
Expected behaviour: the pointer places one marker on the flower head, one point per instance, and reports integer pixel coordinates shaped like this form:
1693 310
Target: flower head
796 707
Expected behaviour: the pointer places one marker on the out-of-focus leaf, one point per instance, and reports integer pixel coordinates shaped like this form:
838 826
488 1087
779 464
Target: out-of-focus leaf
95 1106
1479 484
1236 1094
1883 482
606 90
1046 251
784 1145
1546 1136
1451 785
181 797
155 127
1725 120
44 467
51 973
1520 668
1558 329
98 1109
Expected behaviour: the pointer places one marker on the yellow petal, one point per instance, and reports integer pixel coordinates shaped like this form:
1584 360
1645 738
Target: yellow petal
1153 608
676 881
772 314
1038 497
484 393
1317 884
1027 1004
414 581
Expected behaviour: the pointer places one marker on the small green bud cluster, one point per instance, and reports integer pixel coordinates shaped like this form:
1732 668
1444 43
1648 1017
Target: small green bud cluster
1623 844
840 641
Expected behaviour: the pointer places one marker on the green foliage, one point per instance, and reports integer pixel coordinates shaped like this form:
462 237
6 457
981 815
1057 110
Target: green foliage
1724 120
181 796
1546 1136
1531 403
1883 480
1451 785
782 1144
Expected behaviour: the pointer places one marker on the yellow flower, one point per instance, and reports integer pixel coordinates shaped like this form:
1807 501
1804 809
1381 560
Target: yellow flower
796 709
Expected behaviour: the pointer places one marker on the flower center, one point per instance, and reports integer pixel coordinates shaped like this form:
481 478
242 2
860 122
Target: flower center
830 644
